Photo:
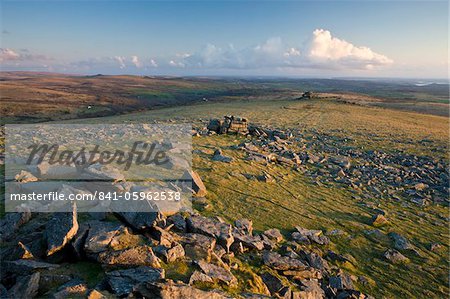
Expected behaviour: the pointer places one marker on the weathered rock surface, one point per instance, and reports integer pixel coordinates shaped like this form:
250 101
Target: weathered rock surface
213 228
400 242
172 290
303 235
198 246
136 256
278 262
26 287
198 187
274 235
198 276
379 220
12 222
26 266
61 228
123 281
395 257
73 289
217 273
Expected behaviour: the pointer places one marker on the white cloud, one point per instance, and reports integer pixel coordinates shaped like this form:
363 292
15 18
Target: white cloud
135 61
322 51
153 63
121 61
324 48
8 55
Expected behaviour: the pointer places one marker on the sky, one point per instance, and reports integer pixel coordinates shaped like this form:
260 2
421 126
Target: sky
407 39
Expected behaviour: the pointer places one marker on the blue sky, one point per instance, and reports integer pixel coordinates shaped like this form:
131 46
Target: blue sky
291 38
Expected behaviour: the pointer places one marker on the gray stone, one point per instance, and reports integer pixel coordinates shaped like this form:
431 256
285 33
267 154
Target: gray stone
316 261
395 257
400 242
12 222
26 287
200 277
198 187
136 256
26 266
61 228
273 283
249 242
278 262
142 220
309 289
198 246
73 289
217 273
178 221
315 236
172 290
274 235
244 226
123 281
25 177
212 228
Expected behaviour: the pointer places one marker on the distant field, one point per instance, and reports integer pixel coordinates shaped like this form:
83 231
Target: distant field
34 97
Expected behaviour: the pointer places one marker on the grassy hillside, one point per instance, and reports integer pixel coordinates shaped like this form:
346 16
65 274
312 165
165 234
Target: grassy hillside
295 198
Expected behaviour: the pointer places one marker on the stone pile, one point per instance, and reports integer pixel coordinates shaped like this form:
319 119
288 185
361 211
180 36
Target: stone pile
133 258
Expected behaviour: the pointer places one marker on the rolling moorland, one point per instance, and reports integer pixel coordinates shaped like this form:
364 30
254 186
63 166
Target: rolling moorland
367 187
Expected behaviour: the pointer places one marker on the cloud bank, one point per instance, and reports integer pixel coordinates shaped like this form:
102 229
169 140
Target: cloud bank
321 51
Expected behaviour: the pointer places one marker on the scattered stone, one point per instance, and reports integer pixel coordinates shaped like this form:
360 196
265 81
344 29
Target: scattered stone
395 257
25 177
142 220
104 173
217 273
198 246
26 266
309 289
274 235
123 281
341 282
95 294
278 262
316 261
170 254
172 290
249 242
316 236
61 228
26 287
218 156
25 251
197 184
435 247
244 226
136 256
379 220
273 283
55 171
178 221
200 277
12 222
309 273
74 288
213 228
400 242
